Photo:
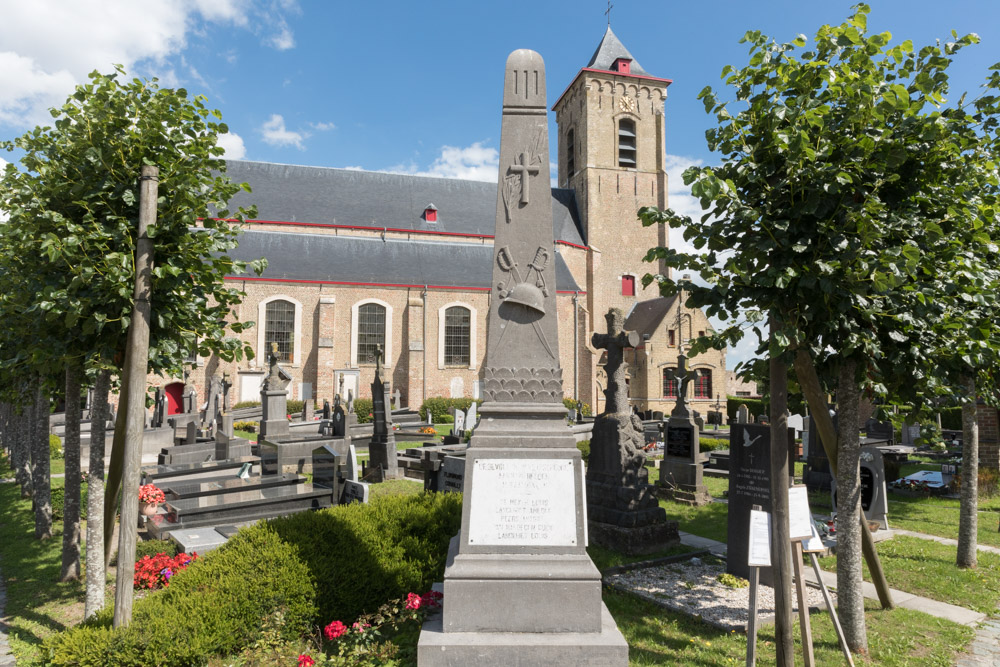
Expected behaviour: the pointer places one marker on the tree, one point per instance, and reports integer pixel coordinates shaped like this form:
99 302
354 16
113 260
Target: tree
830 202
73 208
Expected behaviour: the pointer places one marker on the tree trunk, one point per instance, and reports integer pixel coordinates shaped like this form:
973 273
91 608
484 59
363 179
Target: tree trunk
114 478
71 498
20 448
138 353
805 371
41 491
968 518
96 565
781 545
850 597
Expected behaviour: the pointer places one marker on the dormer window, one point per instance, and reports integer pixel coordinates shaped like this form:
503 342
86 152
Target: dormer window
626 143
431 213
623 65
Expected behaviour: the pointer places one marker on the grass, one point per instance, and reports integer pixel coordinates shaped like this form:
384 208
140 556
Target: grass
927 569
939 516
657 636
605 558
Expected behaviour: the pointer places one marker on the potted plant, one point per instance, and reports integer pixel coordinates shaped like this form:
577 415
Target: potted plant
150 498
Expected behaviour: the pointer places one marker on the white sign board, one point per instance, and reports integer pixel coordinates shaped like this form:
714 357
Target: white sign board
759 554
800 523
523 502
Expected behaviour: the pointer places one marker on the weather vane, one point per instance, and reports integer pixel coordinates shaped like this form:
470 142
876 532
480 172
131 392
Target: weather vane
608 12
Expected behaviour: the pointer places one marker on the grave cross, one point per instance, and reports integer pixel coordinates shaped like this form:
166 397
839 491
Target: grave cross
524 169
226 386
615 341
683 377
378 357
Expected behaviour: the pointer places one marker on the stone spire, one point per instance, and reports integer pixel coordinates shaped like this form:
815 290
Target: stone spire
522 357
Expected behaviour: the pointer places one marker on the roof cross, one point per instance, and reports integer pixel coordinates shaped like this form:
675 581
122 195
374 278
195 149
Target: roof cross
608 12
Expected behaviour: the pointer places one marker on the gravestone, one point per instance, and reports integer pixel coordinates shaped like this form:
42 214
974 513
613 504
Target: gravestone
350 401
622 509
339 420
874 501
353 469
796 422
910 434
451 476
881 431
382 448
307 410
227 384
156 420
274 399
355 492
523 536
472 417
396 397
214 404
816 474
579 412
190 398
742 414
749 484
327 415
191 435
681 474
458 429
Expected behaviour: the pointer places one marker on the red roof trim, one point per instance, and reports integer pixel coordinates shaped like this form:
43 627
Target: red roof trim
573 245
377 229
353 284
612 72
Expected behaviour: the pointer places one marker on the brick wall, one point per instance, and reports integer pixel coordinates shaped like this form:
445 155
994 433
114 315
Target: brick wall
989 438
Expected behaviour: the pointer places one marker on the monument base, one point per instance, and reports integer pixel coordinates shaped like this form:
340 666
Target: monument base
635 541
383 455
598 649
682 481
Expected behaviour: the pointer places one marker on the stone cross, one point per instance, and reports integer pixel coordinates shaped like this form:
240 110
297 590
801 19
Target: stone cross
615 341
525 170
683 376
378 358
396 398
226 386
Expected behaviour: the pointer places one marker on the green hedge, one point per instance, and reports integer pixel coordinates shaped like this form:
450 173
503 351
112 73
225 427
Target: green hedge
364 409
246 404
439 405
756 406
571 405
292 406
213 608
712 444
584 447
363 555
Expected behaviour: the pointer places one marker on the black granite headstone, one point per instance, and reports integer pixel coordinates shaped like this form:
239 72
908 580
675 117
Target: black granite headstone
679 442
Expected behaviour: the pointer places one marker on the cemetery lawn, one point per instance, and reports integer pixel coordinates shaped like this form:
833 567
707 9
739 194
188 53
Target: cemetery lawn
928 569
657 636
939 516
707 521
38 605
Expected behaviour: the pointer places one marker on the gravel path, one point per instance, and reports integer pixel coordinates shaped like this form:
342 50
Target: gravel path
692 587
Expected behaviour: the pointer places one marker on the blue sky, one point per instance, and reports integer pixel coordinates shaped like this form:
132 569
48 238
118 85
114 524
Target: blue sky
415 86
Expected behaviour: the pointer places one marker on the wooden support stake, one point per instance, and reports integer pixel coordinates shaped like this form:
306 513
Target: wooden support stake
833 611
781 551
805 628
138 352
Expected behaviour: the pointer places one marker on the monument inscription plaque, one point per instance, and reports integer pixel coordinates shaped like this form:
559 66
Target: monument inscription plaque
523 502
679 439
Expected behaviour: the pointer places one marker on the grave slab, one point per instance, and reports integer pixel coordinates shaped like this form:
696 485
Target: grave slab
200 540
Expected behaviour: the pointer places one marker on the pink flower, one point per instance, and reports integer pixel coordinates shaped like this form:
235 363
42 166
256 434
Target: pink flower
334 630
306 660
361 627
413 601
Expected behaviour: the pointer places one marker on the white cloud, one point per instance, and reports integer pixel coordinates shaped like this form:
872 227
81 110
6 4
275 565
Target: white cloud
275 133
323 127
473 163
284 40
48 46
232 143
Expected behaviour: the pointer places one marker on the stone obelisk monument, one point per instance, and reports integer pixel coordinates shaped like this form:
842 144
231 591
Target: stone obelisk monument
519 588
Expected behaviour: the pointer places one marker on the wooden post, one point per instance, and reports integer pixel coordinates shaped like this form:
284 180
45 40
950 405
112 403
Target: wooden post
752 620
138 351
805 628
781 548
826 437
833 611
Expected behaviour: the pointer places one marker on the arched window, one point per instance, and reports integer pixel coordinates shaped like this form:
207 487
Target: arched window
626 143
457 327
371 331
669 385
703 383
570 153
279 327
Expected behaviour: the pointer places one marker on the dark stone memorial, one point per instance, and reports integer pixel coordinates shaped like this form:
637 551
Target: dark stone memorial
522 544
681 473
622 508
382 448
874 502
274 400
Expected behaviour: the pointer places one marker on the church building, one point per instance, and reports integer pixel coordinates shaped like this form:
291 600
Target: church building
358 259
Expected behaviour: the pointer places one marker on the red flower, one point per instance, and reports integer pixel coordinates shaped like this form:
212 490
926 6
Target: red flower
413 601
430 599
334 630
306 660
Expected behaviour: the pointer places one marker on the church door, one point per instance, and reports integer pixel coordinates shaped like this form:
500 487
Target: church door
175 394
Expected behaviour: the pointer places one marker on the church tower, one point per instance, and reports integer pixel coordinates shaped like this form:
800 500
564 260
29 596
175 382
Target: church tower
611 152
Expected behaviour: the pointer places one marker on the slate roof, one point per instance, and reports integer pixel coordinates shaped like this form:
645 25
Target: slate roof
645 316
353 259
290 193
611 49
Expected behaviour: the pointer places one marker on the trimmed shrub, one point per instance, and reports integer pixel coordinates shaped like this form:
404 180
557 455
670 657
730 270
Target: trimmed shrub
584 447
445 419
438 407
153 547
248 426
363 408
755 405
571 405
294 407
55 446
712 444
246 404
363 555
214 607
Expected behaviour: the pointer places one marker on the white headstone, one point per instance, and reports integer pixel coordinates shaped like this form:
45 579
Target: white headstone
459 427
472 416
743 414
352 463
355 492
457 387
797 422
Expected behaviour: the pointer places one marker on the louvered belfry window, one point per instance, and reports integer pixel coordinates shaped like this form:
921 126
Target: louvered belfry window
279 328
457 326
626 143
371 331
